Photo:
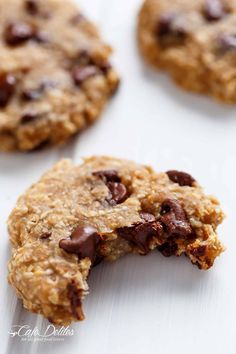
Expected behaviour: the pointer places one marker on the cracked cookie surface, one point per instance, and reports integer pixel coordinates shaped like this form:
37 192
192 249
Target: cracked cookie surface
55 74
194 41
77 216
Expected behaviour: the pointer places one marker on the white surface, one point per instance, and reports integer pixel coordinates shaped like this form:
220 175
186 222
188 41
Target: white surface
141 304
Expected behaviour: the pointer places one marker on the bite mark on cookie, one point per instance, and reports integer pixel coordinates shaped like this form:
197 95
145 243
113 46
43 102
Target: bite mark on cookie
168 248
74 295
142 234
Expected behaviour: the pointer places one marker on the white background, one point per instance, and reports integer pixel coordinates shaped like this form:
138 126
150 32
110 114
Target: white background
141 304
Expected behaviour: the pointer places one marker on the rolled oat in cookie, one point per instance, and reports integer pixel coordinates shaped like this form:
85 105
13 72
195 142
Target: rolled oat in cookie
55 73
72 219
194 41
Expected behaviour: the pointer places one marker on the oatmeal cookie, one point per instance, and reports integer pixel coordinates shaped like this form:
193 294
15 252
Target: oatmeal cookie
194 41
78 216
55 74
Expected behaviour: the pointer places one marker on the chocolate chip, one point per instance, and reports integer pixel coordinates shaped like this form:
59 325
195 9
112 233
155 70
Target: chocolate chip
199 251
80 74
141 234
18 32
182 178
41 145
74 295
84 58
76 19
174 219
168 248
170 25
29 118
227 42
31 6
83 241
214 10
46 15
7 88
45 235
165 23
36 93
105 67
31 95
51 320
118 193
108 175
99 258
147 217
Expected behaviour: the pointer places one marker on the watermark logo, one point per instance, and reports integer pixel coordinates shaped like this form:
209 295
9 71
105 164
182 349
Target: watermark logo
51 333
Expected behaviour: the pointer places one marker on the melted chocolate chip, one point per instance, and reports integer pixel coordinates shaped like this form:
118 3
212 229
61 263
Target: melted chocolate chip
74 295
108 175
170 25
199 252
80 74
118 193
99 258
29 118
19 32
31 6
83 241
182 178
168 248
214 10
141 234
174 219
227 42
7 88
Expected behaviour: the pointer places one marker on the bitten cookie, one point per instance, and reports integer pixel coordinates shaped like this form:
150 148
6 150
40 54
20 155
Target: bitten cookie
55 74
78 216
195 41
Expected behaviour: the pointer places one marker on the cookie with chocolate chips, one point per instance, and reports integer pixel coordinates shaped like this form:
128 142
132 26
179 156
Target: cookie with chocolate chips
194 41
77 216
55 73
